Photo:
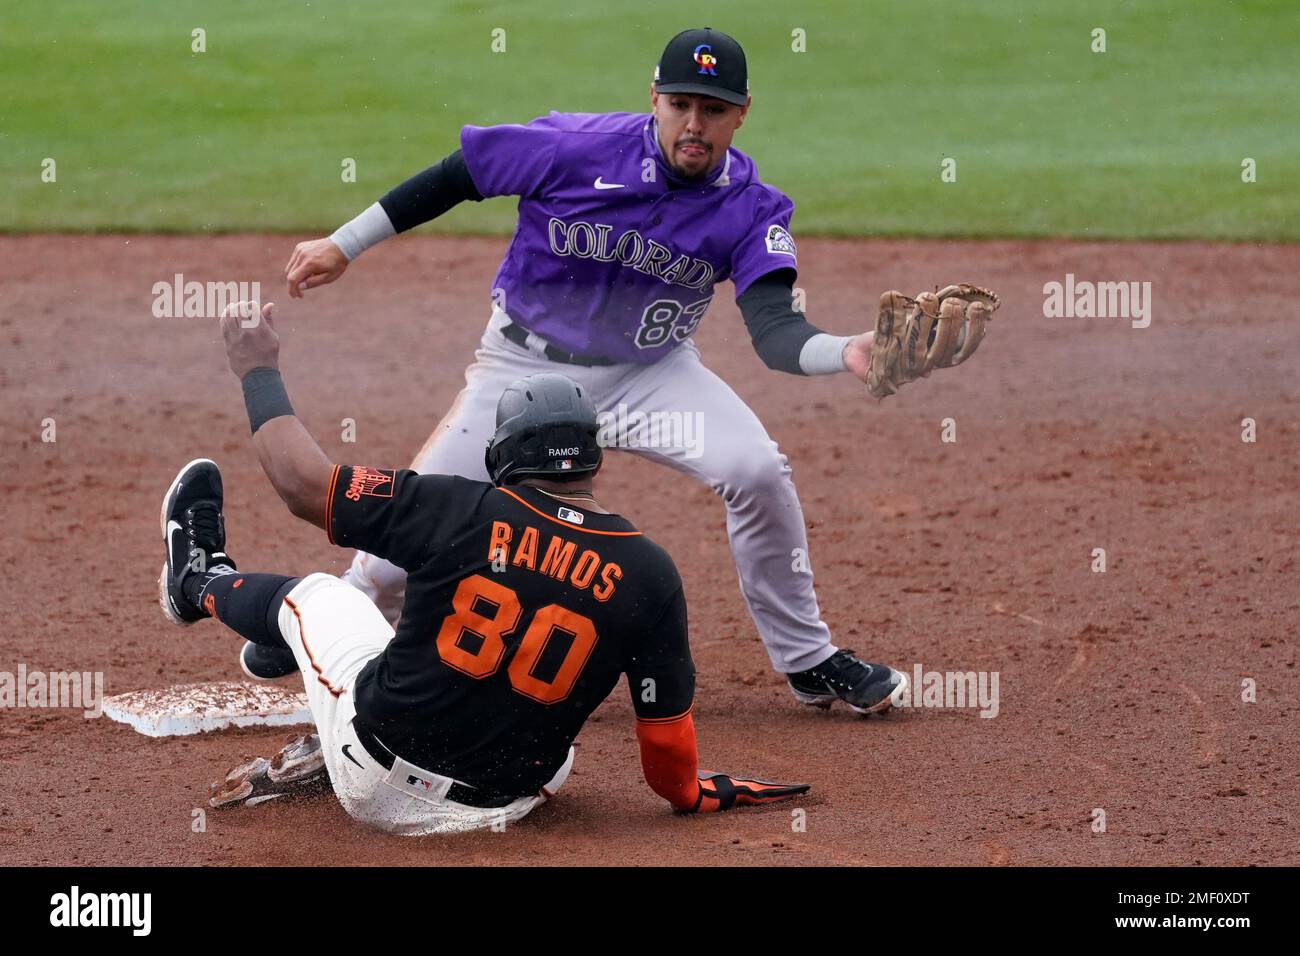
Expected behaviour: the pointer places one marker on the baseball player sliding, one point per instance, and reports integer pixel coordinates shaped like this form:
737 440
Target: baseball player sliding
627 222
526 602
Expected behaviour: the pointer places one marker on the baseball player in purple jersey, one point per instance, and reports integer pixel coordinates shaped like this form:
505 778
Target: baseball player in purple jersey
627 222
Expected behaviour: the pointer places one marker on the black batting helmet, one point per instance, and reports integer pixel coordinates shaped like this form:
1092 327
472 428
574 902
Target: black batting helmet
546 425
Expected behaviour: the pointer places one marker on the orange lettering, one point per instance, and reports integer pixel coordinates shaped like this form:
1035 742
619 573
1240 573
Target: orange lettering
472 639
501 535
558 555
608 575
369 481
526 553
585 569
484 659
546 623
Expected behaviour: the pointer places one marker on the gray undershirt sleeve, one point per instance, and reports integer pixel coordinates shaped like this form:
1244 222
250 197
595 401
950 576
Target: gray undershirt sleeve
425 196
823 354
370 228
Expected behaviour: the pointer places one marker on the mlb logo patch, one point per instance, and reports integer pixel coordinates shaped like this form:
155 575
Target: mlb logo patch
568 514
564 464
779 241
423 784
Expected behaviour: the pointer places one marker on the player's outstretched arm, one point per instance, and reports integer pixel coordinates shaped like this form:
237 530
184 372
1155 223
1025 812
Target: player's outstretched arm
298 469
669 762
669 759
661 680
784 338
425 196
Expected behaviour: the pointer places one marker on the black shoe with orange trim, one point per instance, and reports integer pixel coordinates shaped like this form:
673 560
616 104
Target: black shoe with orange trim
194 534
867 688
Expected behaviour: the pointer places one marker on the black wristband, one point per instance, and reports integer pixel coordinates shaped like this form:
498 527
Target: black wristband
265 397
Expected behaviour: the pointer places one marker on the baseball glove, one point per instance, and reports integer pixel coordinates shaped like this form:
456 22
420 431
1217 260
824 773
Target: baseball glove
934 330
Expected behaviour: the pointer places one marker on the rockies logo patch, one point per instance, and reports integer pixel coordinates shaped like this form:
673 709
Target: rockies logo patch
779 241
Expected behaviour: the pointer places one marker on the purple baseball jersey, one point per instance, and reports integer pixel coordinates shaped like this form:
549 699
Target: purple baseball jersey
615 256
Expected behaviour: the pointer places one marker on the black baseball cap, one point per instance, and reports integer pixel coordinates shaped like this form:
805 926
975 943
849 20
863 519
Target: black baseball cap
705 61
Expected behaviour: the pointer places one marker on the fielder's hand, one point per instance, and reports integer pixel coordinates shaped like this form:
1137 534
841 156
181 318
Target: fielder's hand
721 791
314 263
857 355
251 339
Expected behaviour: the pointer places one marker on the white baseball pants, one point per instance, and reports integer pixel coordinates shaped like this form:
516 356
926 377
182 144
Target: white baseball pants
334 631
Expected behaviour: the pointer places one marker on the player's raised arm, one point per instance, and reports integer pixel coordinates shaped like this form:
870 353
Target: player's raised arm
298 469
423 197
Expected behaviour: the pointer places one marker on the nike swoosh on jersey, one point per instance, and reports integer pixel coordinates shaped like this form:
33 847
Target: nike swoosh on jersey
603 185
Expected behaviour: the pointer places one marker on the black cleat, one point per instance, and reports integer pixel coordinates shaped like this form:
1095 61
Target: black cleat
267 663
867 688
194 534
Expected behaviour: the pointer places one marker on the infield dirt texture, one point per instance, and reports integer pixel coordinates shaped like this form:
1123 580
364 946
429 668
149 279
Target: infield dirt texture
1162 691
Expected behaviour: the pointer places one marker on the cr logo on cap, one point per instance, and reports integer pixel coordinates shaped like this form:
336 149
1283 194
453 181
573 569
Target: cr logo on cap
705 58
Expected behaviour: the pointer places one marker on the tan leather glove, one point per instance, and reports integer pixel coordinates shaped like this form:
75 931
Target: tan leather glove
914 336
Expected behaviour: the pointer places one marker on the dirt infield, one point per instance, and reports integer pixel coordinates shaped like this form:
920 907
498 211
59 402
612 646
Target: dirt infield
1120 690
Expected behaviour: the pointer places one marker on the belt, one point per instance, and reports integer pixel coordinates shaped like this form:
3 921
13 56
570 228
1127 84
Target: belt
459 793
519 335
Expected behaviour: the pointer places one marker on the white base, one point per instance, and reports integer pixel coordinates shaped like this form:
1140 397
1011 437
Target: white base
199 708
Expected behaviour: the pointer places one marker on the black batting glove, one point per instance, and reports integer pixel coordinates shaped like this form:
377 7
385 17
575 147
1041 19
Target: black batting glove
721 791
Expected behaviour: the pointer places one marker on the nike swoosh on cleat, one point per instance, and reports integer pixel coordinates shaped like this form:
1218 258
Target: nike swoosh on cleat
350 757
266 797
603 185
173 527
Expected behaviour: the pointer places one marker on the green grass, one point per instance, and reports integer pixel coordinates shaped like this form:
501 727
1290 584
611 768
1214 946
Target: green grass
1145 140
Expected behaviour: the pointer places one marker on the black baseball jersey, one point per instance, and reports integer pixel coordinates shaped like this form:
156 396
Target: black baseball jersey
521 612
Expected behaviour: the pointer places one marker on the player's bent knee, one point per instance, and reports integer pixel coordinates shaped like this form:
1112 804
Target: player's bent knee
761 474
328 599
316 583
